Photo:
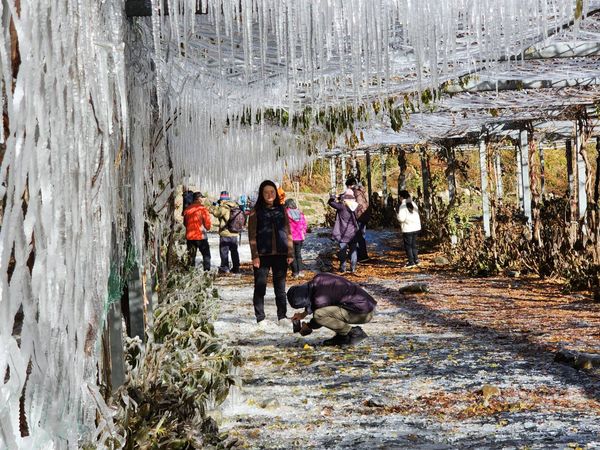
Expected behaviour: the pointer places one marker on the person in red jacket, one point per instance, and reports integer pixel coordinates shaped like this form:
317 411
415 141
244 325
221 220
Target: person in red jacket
197 221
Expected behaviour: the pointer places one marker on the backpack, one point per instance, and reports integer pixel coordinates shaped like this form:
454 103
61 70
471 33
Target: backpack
237 220
188 198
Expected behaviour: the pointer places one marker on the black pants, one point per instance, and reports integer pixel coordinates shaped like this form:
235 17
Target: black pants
204 248
278 263
361 243
229 244
410 246
297 263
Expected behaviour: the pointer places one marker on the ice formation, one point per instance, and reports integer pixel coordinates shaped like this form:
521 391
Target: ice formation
222 69
104 116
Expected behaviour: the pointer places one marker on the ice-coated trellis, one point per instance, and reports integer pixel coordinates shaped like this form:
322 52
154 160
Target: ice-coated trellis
247 58
65 124
104 116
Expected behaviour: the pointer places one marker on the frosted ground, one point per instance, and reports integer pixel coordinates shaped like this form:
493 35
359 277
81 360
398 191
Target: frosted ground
415 383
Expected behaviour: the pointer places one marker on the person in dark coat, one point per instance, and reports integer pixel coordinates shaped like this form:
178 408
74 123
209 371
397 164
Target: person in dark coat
346 229
363 214
272 249
335 303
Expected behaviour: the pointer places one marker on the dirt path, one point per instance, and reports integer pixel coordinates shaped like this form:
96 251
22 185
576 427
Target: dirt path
435 373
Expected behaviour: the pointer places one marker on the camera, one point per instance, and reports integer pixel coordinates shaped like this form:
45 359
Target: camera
298 328
296 325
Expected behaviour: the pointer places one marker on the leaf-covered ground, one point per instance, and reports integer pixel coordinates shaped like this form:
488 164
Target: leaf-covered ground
469 364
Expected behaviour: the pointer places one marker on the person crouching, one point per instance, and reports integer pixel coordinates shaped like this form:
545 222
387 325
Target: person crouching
335 303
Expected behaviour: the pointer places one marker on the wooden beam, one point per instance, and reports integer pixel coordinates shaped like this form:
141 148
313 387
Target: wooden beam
143 8
519 85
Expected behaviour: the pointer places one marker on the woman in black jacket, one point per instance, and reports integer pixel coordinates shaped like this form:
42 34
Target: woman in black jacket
271 247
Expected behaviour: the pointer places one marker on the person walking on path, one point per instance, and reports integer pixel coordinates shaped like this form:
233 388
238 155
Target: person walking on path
298 228
231 222
197 221
346 228
271 247
335 303
363 214
410 222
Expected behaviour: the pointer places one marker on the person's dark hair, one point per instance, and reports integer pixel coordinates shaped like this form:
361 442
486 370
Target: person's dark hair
260 201
197 196
290 203
406 196
351 181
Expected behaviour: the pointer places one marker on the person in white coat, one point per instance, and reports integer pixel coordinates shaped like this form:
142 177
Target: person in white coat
408 216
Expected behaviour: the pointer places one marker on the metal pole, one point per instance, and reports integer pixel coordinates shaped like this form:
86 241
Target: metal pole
384 175
519 177
369 187
499 184
581 172
485 197
332 174
524 144
542 170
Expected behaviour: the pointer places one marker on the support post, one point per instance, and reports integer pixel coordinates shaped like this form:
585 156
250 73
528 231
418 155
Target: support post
519 178
354 167
542 171
115 345
451 173
597 180
426 183
526 176
581 172
384 174
571 179
343 163
402 175
498 170
332 181
135 292
485 196
369 187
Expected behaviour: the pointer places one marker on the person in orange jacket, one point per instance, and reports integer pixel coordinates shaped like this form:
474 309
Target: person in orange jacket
197 221
280 193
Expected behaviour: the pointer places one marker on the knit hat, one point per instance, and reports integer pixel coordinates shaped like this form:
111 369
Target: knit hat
298 296
224 196
348 194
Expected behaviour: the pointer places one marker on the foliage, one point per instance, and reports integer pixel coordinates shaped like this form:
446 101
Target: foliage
514 248
184 371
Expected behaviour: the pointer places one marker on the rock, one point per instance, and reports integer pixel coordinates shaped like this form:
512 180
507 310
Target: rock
578 360
488 391
414 288
441 261
513 273
269 403
374 402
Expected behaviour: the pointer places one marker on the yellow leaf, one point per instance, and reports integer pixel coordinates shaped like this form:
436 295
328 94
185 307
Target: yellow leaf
307 347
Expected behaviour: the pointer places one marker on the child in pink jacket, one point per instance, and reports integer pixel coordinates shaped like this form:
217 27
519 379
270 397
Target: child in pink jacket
298 227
